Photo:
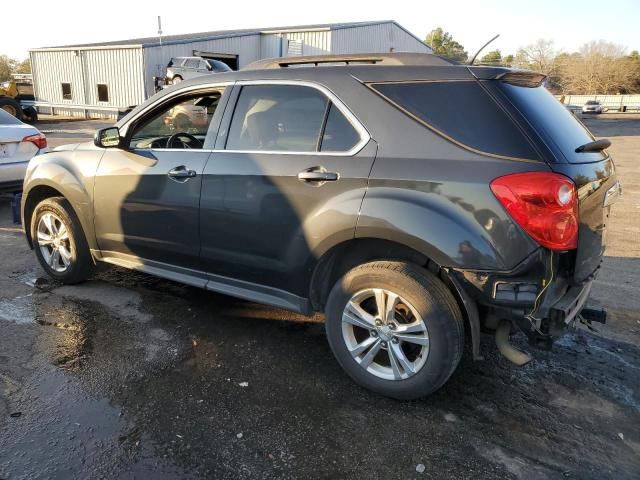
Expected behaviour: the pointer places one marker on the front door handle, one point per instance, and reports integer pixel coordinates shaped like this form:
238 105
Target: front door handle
318 174
181 173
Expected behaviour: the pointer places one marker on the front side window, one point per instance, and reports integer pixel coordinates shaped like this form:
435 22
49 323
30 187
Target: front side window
182 124
288 118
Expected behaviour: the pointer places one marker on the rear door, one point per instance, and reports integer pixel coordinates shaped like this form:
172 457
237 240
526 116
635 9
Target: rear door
593 172
288 173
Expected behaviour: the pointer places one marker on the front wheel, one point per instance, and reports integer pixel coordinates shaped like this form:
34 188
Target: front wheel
395 328
59 241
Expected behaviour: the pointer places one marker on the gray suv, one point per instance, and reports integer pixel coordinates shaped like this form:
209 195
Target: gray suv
413 201
185 68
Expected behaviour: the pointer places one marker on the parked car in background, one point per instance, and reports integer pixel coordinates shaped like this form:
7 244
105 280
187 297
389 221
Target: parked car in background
19 143
413 201
592 106
184 68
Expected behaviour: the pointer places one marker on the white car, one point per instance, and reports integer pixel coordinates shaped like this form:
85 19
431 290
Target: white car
592 106
19 143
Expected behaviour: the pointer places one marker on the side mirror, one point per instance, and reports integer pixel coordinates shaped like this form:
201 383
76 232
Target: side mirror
107 138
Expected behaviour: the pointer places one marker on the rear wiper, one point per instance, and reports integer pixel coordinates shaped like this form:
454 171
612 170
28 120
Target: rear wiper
594 146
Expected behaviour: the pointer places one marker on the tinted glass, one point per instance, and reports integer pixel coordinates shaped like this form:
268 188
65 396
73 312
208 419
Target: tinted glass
552 121
7 119
192 63
462 111
219 66
339 134
192 116
277 118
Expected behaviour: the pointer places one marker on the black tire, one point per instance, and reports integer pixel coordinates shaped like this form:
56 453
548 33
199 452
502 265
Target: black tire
30 114
12 107
176 79
434 303
81 263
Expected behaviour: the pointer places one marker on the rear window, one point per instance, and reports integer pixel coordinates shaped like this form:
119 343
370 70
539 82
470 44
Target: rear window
552 121
7 119
462 111
219 66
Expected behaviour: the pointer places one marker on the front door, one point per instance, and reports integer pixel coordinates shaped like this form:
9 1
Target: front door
290 169
147 195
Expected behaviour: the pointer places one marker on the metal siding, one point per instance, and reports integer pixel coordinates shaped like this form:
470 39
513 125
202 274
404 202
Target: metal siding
156 58
376 38
120 69
129 71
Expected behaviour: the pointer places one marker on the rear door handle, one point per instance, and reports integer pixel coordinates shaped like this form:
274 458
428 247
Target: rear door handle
318 175
181 173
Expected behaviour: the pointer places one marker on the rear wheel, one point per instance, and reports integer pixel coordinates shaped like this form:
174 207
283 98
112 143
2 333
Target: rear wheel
176 79
12 107
59 241
395 328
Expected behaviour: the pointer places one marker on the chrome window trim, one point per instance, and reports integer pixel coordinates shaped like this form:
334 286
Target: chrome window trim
351 118
125 128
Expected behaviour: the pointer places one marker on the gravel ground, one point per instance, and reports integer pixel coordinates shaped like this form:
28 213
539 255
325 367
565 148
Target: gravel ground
129 376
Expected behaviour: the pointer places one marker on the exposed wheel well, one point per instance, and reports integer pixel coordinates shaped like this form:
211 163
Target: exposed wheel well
34 197
345 256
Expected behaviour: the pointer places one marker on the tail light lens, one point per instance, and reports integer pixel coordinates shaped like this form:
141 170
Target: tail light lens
544 204
39 140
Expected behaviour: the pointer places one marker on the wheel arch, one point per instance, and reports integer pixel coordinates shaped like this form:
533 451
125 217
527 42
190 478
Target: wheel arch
42 188
341 258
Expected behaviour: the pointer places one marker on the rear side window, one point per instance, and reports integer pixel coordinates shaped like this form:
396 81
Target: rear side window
339 135
552 120
463 112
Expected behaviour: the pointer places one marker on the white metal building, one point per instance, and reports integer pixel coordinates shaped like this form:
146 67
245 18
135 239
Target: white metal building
96 80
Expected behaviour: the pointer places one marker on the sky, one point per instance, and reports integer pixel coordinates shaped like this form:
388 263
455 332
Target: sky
570 23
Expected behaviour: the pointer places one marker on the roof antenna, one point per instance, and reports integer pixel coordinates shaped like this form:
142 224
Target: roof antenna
481 48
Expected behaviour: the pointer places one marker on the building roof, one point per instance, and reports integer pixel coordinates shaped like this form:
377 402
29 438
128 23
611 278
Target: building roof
219 34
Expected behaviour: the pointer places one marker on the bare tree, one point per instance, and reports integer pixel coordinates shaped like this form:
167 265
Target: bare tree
597 68
539 56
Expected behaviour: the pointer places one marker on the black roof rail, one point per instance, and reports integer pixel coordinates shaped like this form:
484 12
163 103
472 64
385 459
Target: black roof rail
415 59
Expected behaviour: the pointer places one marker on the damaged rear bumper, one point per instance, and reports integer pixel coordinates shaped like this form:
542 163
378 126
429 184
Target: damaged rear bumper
538 296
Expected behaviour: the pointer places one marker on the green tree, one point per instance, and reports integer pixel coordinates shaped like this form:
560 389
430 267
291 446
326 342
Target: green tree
494 57
507 61
443 44
7 66
23 67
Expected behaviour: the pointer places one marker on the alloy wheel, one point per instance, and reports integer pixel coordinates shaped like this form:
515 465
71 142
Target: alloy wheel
54 242
385 334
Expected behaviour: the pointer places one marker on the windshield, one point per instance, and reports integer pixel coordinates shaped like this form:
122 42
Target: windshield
7 119
552 121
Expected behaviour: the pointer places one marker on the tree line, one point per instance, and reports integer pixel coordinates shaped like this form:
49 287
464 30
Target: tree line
598 67
9 66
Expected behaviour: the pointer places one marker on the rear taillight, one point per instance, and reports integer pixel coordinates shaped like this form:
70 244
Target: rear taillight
39 140
544 204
